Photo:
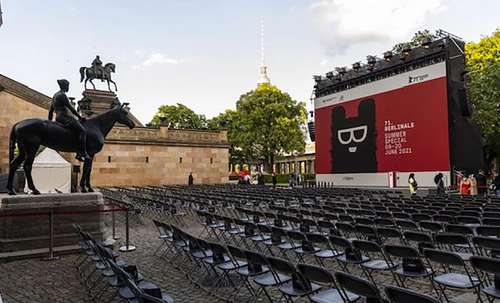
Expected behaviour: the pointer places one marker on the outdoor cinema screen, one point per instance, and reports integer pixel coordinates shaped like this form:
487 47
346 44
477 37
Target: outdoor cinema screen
399 124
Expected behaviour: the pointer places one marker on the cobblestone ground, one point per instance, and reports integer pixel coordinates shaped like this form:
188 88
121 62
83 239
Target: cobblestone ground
57 281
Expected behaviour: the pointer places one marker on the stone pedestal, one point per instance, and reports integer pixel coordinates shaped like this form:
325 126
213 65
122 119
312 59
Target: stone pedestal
98 101
24 221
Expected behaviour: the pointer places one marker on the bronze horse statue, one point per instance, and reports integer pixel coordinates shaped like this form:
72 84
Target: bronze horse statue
29 134
90 73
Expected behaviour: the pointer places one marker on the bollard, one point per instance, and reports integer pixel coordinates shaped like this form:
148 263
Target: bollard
51 256
113 220
127 246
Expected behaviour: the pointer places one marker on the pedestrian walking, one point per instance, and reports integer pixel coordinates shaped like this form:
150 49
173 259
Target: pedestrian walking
412 183
438 179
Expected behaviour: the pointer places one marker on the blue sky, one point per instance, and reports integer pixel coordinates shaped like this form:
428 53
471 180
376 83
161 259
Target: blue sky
205 54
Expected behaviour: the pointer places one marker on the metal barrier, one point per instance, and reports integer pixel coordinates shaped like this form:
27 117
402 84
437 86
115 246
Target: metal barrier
116 206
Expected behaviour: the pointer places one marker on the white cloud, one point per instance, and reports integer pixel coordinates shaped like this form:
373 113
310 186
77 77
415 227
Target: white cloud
158 58
344 23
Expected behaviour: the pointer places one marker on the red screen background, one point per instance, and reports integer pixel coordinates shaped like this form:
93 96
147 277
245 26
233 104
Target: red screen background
425 104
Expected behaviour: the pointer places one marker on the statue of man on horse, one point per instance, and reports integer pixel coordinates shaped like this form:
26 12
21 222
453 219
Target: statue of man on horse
65 114
90 133
97 71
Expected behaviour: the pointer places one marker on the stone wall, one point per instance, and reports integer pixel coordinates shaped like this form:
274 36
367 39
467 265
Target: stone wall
124 164
139 156
12 110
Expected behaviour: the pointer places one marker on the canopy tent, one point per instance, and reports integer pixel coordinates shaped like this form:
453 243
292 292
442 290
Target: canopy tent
51 172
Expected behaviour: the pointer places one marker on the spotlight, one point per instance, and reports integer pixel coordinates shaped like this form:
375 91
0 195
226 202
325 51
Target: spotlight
371 60
388 56
426 42
406 49
356 66
329 75
341 70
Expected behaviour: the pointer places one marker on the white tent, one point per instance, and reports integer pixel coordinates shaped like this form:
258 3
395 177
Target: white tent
51 172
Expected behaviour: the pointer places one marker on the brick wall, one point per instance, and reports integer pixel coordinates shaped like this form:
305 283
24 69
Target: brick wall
12 110
131 164
204 153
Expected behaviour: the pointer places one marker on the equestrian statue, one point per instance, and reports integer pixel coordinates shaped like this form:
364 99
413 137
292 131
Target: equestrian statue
97 71
69 133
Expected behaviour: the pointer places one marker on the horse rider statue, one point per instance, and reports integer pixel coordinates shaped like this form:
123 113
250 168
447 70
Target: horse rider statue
98 69
65 115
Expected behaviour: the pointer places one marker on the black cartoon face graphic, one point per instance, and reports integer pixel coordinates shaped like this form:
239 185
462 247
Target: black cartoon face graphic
354 148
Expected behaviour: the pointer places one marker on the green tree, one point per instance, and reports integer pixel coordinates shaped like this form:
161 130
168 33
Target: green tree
417 40
229 120
178 116
483 84
267 123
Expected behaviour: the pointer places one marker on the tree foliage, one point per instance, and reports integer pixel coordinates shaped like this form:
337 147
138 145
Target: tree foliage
267 123
415 41
483 63
178 116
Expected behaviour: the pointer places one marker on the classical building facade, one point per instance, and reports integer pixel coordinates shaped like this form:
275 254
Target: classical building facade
139 156
302 163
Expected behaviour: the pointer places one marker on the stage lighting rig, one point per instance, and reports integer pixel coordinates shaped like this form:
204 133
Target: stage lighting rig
341 70
371 60
317 78
426 42
388 55
329 75
356 66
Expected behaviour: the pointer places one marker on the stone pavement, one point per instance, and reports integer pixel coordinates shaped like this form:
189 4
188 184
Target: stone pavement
34 280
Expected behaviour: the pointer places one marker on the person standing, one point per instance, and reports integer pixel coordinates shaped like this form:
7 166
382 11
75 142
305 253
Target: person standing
275 179
496 184
190 179
438 179
260 179
465 186
412 183
481 183
473 185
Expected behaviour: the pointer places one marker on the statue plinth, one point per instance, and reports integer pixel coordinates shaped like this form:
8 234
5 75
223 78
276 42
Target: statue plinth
24 222
100 101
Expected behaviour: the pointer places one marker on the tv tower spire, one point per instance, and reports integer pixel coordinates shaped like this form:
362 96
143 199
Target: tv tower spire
263 77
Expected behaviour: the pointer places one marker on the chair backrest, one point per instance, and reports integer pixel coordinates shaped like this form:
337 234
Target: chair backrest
486 264
443 257
486 243
401 251
450 239
316 238
296 235
431 226
281 266
486 230
236 252
367 246
403 295
340 242
256 258
459 229
418 237
387 232
357 285
316 273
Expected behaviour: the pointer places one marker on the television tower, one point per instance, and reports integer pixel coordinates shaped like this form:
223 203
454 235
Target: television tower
263 77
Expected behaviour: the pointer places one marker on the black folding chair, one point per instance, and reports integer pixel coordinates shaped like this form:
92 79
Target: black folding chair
359 286
403 295
329 293
488 269
455 273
